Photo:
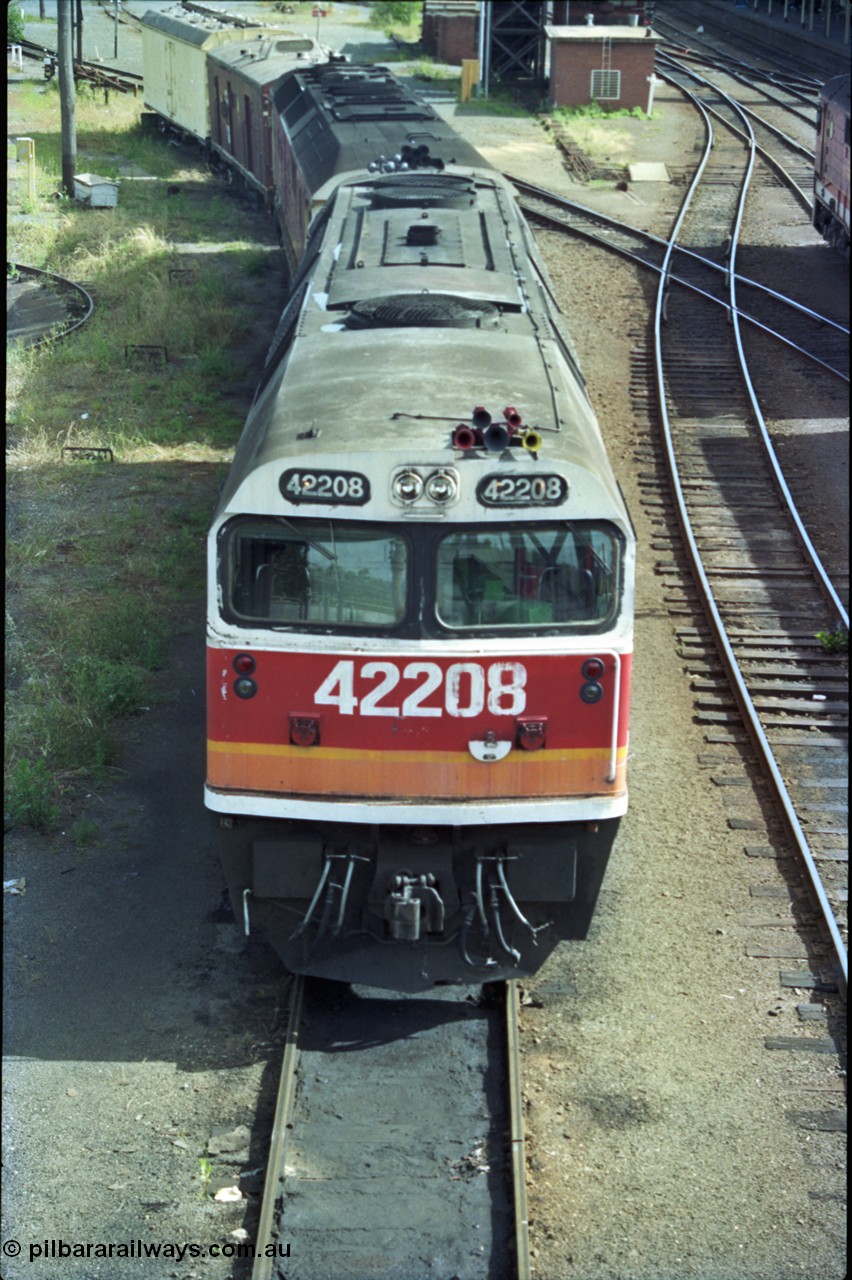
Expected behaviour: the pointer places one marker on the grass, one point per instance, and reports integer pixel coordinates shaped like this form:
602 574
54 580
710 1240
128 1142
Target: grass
106 560
836 641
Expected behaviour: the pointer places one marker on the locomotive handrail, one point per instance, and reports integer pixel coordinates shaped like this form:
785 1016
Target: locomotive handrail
616 707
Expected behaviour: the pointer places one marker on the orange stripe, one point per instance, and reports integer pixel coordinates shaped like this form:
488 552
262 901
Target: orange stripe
250 766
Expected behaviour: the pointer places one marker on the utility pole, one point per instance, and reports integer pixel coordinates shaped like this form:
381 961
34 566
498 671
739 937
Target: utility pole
67 105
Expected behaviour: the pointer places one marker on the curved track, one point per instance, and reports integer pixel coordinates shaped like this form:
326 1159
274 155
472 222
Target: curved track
397 1147
815 337
42 306
762 585
803 65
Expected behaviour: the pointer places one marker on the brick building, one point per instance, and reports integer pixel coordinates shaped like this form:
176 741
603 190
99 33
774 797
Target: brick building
610 65
451 30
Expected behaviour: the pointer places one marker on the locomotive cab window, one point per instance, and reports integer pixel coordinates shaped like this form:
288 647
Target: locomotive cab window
315 573
529 577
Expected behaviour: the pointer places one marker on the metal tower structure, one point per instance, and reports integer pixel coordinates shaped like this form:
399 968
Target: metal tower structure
512 41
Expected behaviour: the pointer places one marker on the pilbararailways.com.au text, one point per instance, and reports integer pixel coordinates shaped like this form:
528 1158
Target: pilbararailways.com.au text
168 1251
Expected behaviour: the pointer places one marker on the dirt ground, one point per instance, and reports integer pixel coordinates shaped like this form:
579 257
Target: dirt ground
661 1139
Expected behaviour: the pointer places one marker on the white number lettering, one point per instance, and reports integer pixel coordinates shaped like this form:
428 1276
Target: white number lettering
390 679
468 688
340 678
413 703
476 691
513 688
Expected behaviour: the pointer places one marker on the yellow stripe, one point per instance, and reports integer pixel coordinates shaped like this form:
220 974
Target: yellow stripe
287 751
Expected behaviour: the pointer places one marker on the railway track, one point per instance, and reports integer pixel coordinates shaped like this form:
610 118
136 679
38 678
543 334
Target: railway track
42 306
766 596
95 73
806 66
762 587
397 1147
817 338
784 158
796 93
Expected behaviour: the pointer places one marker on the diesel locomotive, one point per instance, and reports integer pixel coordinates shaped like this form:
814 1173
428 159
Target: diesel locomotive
420 571
831 215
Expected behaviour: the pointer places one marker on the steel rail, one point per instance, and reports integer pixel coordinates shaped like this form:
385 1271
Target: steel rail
749 76
747 112
816 564
517 1138
50 335
552 197
262 1269
111 77
719 631
802 196
264 1263
559 225
801 66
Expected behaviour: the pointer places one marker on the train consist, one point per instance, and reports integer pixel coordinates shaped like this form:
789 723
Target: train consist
420 572
831 176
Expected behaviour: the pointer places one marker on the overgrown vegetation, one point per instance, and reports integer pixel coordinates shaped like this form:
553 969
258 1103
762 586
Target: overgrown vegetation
105 559
598 111
14 24
836 641
400 16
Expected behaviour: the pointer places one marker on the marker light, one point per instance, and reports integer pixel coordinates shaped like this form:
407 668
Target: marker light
442 486
244 664
593 669
304 730
591 692
407 486
532 733
245 688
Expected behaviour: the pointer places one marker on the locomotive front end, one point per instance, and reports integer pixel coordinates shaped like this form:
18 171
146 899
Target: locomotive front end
420 625
418 726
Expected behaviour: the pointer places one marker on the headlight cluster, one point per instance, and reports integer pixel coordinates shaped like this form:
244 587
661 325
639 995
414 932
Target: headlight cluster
440 487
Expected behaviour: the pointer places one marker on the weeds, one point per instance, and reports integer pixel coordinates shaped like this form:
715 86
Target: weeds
106 560
30 796
836 641
598 111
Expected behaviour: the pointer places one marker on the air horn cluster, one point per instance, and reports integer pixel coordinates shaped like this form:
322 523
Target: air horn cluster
484 432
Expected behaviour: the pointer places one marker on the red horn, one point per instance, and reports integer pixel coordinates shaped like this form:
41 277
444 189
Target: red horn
512 416
463 437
